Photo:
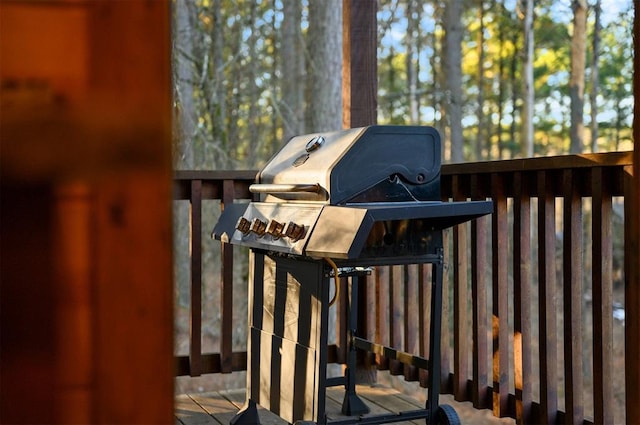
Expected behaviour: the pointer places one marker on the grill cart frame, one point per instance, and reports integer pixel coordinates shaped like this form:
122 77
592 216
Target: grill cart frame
333 206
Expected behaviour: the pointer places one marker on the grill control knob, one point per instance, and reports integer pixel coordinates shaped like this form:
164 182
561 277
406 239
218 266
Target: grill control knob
258 226
294 231
243 225
275 229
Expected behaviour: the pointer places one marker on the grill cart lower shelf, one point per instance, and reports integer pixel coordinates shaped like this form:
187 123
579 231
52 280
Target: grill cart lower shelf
287 348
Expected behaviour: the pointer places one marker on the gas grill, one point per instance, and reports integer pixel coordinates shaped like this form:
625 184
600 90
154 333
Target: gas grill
329 205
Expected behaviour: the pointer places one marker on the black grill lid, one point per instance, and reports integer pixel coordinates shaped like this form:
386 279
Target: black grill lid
370 164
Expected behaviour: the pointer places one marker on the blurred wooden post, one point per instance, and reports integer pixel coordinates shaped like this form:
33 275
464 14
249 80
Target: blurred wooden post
87 324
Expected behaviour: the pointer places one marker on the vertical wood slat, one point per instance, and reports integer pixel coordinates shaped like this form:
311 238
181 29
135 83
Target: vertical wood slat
411 323
226 290
602 297
397 314
342 320
383 296
460 298
500 303
547 305
446 386
424 316
632 271
632 248
480 384
370 293
195 346
572 299
522 299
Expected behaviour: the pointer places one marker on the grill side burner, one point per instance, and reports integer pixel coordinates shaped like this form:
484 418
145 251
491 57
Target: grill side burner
330 204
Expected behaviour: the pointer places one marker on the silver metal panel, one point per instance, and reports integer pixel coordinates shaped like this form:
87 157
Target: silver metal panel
294 165
302 214
335 232
286 355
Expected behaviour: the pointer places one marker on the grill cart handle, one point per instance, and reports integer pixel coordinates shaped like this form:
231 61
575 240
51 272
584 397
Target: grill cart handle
284 188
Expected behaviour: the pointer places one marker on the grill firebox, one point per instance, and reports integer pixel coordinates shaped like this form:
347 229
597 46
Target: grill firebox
336 203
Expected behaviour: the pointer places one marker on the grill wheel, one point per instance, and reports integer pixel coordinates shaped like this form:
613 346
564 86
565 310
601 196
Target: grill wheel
446 415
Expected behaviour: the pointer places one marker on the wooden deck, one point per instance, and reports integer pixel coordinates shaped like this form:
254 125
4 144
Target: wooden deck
213 408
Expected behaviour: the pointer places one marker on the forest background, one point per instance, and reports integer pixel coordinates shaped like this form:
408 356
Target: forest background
499 79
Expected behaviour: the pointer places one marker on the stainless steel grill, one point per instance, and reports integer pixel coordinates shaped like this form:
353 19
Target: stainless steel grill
330 203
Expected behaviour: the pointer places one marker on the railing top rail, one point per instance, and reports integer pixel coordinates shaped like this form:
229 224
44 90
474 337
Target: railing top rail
215 174
587 160
561 162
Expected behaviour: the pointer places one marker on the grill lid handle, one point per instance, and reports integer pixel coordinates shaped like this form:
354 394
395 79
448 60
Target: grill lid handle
284 188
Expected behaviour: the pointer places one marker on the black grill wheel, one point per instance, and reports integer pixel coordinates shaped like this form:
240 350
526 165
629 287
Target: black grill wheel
446 415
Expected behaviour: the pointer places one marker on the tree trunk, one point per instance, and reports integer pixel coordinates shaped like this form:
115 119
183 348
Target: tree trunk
218 154
411 41
292 82
183 75
528 89
480 105
576 83
324 45
452 61
499 6
595 71
254 147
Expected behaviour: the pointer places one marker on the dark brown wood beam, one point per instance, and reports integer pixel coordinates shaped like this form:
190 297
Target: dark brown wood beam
359 75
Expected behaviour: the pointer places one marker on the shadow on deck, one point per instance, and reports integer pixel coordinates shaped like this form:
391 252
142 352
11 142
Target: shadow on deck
218 407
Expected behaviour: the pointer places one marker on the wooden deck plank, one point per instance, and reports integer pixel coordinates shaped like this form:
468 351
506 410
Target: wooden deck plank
216 405
215 408
237 397
385 400
188 412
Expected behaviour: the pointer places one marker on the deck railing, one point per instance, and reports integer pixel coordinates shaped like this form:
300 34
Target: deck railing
528 326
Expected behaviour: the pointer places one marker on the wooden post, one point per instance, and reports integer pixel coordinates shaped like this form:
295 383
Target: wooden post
359 91
87 312
360 66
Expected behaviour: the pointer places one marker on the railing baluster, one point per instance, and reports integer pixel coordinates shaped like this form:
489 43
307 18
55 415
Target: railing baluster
500 299
479 289
446 385
547 304
342 319
632 290
602 297
396 317
384 316
572 299
411 324
424 316
460 302
195 347
522 298
226 290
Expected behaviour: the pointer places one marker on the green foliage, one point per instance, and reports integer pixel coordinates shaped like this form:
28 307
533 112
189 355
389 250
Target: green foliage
235 76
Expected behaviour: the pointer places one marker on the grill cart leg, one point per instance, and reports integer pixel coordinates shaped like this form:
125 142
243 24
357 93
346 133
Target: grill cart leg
445 414
435 333
248 415
352 405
